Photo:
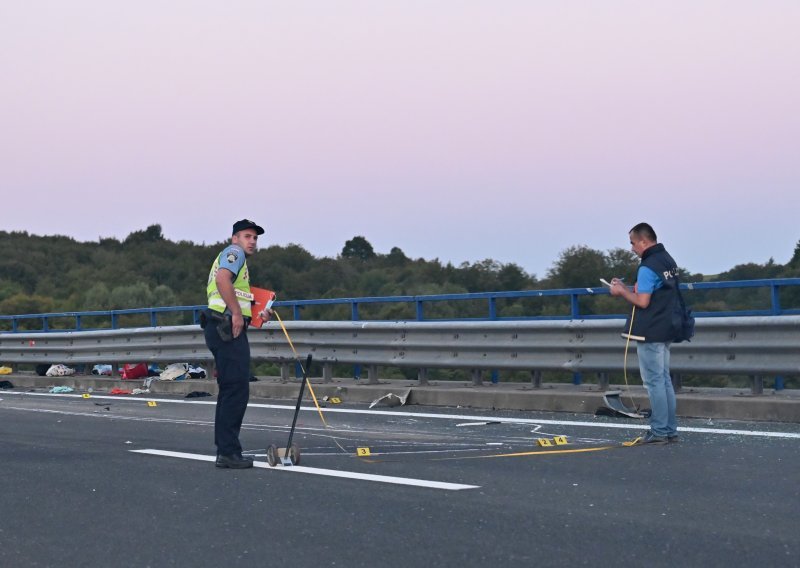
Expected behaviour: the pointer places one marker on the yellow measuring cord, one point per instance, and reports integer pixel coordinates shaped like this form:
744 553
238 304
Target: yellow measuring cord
297 357
625 360
310 389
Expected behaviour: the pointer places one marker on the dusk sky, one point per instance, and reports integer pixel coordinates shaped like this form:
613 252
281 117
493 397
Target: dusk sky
458 130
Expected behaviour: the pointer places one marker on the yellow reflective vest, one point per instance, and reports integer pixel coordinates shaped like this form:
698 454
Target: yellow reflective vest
241 287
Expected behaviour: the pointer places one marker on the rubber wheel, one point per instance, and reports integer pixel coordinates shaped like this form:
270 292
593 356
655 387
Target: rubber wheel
294 454
272 455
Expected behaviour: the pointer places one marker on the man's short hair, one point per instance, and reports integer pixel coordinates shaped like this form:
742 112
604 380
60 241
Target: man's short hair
645 231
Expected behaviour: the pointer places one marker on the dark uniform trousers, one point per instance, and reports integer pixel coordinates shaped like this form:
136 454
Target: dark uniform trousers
232 360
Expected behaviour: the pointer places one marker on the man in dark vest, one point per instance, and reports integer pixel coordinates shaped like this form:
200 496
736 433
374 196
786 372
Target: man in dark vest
654 297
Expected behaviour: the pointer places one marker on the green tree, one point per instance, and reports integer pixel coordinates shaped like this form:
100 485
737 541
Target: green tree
372 281
136 295
57 273
21 271
578 267
621 263
752 271
150 235
794 263
396 257
163 296
19 304
8 288
98 297
358 247
511 277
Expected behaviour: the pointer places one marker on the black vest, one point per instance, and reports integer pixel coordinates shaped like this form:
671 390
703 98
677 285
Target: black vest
655 322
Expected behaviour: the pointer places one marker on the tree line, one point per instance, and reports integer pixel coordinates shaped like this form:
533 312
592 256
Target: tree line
40 274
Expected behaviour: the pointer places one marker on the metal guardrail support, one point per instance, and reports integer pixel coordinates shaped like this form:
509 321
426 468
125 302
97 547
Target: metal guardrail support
677 382
536 379
372 375
327 372
757 384
477 377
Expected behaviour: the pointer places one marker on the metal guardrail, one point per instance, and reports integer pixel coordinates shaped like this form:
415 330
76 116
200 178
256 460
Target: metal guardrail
754 346
155 316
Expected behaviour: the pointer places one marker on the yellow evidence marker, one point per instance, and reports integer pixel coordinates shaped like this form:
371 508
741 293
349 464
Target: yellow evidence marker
87 395
544 442
152 403
361 452
560 440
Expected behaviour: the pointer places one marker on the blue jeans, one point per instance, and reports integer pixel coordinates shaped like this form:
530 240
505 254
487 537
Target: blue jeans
654 366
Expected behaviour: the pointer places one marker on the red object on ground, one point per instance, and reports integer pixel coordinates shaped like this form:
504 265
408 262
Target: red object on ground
117 390
134 371
263 301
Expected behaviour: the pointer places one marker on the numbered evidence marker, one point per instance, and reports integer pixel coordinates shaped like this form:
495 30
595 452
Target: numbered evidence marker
152 403
335 400
547 442
87 395
362 452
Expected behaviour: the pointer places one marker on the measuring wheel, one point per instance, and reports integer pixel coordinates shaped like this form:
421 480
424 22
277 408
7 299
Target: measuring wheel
290 455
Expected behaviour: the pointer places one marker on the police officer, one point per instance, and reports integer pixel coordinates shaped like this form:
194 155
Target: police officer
226 321
651 325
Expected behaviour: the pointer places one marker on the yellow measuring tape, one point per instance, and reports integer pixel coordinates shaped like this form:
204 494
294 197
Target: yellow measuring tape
625 360
305 371
517 454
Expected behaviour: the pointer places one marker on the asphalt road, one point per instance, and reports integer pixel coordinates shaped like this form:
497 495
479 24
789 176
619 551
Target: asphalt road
453 487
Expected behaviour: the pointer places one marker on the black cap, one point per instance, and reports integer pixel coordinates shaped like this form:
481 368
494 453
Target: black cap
246 224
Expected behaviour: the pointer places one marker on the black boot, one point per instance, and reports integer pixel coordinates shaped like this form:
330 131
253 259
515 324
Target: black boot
234 461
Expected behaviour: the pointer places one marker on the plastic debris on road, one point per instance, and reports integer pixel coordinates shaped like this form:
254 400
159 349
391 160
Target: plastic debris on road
175 372
391 399
60 371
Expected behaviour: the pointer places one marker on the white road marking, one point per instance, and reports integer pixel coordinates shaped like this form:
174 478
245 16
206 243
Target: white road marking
532 421
326 472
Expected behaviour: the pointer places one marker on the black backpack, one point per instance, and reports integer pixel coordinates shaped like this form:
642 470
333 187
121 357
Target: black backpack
682 318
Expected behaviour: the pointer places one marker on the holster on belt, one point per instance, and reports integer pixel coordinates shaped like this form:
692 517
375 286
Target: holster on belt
222 321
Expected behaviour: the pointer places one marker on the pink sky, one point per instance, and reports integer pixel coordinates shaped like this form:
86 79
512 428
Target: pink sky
458 130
